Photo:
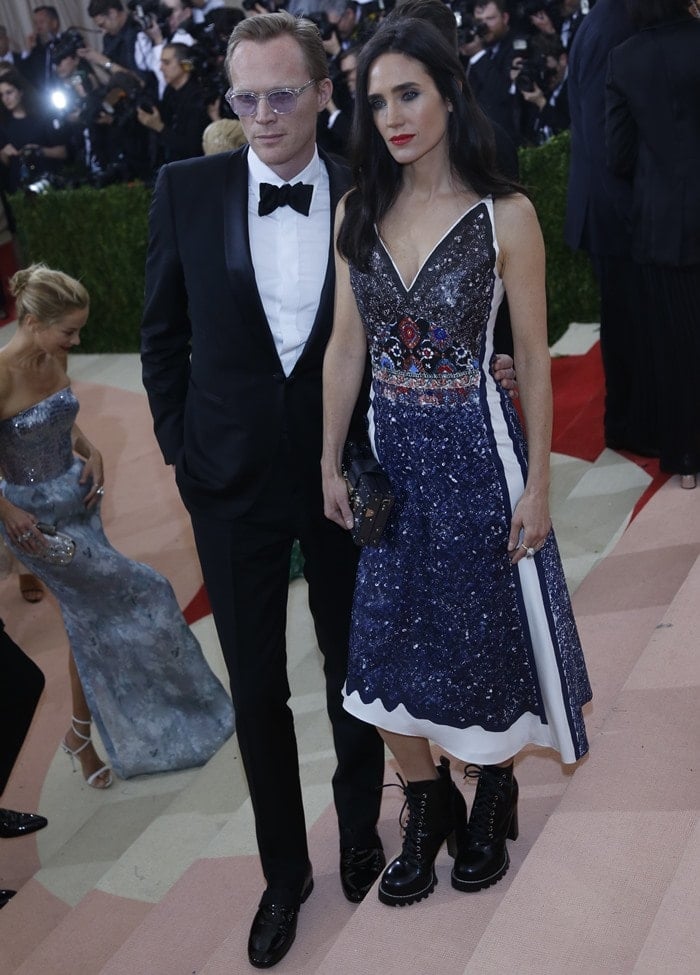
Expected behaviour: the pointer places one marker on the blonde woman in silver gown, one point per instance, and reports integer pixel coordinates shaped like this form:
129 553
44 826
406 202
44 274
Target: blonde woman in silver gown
136 669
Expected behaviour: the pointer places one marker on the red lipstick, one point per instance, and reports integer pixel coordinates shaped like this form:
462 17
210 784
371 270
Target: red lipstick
400 140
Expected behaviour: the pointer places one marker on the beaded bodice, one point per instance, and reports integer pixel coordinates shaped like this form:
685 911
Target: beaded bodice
35 445
426 338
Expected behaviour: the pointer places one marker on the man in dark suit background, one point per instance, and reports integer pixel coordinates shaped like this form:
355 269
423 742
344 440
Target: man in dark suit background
489 73
597 221
21 684
237 316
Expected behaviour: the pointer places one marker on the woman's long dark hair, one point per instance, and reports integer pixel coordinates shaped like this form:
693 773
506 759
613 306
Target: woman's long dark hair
376 175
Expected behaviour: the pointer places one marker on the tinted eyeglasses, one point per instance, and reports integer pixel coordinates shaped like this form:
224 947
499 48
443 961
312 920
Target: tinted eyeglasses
282 101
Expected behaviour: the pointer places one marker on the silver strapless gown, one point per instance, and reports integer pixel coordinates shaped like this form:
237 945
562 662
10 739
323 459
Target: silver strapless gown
153 697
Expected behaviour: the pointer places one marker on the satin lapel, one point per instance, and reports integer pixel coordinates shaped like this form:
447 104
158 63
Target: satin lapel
339 181
239 262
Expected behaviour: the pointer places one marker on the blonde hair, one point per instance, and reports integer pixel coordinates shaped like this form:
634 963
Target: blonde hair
222 136
266 27
46 294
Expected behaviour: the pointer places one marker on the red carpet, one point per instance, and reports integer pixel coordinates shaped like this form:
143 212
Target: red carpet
8 266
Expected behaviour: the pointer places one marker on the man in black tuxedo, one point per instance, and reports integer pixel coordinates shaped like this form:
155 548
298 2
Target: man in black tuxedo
237 316
489 73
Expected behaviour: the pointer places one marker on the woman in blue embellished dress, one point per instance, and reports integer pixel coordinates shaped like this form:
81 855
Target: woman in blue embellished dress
462 627
136 669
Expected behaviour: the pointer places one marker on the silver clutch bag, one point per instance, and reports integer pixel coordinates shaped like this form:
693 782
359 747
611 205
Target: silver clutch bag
60 547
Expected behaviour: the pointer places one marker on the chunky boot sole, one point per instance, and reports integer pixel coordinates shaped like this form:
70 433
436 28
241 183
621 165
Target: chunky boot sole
401 900
470 886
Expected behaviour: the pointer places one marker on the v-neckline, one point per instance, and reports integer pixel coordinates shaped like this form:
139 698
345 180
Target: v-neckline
432 251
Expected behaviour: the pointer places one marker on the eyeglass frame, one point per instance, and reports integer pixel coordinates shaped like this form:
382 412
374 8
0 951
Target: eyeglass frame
231 94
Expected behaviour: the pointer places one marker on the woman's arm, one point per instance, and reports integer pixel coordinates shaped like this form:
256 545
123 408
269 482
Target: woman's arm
522 269
343 370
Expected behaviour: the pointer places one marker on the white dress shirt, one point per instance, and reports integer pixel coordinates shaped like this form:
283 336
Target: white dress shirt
290 256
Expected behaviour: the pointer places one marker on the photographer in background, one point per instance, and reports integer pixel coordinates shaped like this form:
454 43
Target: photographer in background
181 117
540 80
161 24
489 71
120 40
75 102
200 9
35 64
29 146
128 153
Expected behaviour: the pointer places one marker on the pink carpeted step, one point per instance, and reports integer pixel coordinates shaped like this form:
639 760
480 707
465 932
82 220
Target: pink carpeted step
87 937
29 917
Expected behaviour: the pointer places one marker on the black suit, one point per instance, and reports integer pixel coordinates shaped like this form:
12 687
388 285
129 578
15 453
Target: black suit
21 684
246 442
489 78
653 135
597 221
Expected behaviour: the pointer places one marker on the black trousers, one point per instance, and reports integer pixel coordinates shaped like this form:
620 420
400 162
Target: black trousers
631 414
21 684
245 563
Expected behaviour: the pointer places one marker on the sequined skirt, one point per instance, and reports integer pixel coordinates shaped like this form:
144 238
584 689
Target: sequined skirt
449 641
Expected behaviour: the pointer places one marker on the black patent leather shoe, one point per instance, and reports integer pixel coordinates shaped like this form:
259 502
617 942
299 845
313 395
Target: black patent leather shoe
359 868
19 823
5 896
273 930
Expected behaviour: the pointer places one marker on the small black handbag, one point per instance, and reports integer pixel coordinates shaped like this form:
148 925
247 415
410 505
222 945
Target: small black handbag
371 497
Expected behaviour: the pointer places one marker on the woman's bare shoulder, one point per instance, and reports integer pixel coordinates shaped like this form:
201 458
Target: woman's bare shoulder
516 220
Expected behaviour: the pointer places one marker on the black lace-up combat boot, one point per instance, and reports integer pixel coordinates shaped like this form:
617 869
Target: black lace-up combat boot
483 858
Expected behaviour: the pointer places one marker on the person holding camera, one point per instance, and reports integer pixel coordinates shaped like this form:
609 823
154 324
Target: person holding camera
35 63
540 80
181 117
29 147
489 70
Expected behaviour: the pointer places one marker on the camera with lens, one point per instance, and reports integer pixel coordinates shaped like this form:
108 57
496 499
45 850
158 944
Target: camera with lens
146 13
534 74
68 45
468 29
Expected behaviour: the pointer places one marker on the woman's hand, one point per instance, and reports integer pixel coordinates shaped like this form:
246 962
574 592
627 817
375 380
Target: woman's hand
21 529
336 501
530 526
93 470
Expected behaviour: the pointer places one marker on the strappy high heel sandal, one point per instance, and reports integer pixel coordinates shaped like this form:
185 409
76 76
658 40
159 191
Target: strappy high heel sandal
73 753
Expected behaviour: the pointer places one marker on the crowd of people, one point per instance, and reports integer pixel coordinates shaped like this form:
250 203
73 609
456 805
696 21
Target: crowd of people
263 329
144 96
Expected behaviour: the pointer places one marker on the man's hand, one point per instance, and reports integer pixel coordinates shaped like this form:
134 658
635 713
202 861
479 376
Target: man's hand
503 371
535 97
151 120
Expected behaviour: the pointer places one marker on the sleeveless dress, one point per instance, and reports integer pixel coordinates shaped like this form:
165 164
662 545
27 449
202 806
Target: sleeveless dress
153 697
450 641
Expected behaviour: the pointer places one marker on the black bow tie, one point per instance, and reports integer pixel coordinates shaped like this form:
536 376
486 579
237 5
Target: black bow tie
298 197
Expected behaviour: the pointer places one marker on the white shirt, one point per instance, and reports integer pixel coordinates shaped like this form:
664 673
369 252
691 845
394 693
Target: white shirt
147 54
290 256
199 13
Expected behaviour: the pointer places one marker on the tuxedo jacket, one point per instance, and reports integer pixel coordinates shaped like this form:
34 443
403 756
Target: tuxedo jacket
598 202
653 138
489 79
224 412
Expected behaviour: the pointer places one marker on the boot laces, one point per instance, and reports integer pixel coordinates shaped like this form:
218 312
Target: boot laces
411 817
486 801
